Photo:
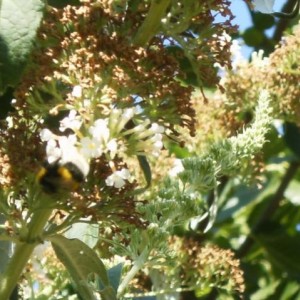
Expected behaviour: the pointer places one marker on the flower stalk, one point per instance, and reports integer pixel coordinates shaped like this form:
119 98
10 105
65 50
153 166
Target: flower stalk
152 22
23 252
137 266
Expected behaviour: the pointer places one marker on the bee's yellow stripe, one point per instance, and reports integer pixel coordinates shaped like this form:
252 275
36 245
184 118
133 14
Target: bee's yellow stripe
67 177
65 173
41 173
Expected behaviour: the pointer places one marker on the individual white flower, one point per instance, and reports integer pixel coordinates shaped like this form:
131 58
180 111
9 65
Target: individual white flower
112 147
138 129
177 168
114 119
148 140
100 130
73 121
9 121
156 128
46 135
67 141
120 118
156 144
70 153
128 113
67 146
90 148
77 91
142 132
53 152
86 103
117 178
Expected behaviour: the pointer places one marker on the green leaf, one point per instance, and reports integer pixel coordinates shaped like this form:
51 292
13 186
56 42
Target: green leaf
283 249
81 261
19 22
292 192
266 291
108 293
87 233
263 21
290 290
145 168
114 275
253 37
243 195
152 22
180 152
275 144
189 76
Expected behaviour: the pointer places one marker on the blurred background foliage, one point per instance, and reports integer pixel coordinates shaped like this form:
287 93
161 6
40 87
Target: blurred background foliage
262 223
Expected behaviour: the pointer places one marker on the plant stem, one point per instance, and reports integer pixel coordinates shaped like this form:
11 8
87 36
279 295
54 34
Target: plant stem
138 264
22 253
152 22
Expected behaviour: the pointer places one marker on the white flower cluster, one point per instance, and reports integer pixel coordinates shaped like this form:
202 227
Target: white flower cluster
107 136
258 60
64 149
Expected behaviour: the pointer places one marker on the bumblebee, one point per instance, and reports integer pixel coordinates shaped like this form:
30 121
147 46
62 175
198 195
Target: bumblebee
55 177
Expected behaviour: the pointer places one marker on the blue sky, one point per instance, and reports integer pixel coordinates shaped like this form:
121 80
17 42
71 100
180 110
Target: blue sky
243 19
242 16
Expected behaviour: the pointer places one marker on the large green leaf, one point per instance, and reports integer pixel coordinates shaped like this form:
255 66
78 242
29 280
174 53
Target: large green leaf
108 293
282 248
81 261
266 291
87 233
290 290
19 22
237 200
263 21
144 164
114 275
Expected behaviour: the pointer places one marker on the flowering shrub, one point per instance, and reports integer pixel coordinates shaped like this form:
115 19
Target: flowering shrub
114 114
